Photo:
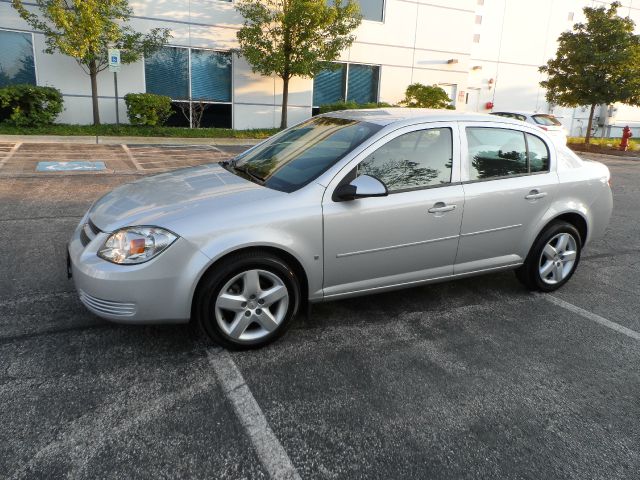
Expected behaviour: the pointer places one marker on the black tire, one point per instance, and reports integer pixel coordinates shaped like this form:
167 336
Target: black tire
210 286
529 273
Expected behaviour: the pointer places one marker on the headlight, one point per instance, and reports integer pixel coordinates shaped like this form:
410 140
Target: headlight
133 245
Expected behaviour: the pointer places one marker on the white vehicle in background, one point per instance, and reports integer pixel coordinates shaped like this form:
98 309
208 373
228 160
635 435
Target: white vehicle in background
545 121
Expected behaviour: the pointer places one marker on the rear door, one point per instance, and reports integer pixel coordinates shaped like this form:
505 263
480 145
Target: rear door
509 184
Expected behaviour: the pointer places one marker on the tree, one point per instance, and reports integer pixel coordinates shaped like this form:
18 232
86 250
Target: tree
418 95
598 62
295 37
85 29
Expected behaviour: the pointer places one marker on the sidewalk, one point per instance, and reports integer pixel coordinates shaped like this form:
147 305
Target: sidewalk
108 140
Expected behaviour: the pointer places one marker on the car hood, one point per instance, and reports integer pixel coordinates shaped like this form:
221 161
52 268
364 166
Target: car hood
164 200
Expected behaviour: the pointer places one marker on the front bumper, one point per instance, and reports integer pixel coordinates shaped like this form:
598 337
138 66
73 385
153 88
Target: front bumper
158 291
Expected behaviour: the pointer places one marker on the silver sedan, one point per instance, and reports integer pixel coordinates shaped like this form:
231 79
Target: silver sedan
344 204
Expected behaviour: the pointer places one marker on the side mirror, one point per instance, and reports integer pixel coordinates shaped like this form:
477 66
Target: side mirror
362 187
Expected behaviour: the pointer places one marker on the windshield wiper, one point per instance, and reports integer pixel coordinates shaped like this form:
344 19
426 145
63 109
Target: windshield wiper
246 171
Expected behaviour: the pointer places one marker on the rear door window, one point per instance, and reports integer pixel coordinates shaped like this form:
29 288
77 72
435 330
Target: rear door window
500 152
538 154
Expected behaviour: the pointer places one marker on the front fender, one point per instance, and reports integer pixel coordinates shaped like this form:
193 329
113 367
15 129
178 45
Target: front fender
306 248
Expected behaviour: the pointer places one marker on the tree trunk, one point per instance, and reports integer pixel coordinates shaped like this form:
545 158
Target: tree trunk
93 73
285 102
587 137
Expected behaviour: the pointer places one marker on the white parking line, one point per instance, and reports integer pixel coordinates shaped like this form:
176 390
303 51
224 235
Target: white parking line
592 316
267 446
131 157
10 154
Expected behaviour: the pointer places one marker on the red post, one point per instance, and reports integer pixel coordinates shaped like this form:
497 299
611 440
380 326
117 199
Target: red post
626 135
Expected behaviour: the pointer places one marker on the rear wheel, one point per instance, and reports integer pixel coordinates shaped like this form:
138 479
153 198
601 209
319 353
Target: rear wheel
247 301
553 258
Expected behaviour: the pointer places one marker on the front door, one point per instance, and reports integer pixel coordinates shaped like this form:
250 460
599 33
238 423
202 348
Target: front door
409 235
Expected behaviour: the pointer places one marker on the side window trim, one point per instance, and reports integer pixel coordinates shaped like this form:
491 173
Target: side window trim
526 138
419 137
427 187
465 177
456 172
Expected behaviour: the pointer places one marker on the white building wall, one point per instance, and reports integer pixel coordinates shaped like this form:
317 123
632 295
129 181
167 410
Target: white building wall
426 41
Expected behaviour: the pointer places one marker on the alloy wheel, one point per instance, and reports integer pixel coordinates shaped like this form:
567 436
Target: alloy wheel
251 305
558 258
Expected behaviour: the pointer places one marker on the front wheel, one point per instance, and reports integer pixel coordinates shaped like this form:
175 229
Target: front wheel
553 258
248 301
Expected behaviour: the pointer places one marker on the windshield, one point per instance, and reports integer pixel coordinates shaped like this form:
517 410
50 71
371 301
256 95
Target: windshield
547 120
299 155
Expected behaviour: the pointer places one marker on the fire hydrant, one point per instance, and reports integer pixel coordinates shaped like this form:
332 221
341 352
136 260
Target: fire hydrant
626 135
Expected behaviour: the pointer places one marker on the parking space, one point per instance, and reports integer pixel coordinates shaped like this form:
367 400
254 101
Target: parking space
153 158
470 379
22 159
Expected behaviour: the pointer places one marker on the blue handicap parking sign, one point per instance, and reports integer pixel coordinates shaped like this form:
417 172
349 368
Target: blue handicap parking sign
77 166
114 59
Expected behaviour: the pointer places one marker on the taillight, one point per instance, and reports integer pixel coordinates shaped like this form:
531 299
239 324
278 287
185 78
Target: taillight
609 182
544 128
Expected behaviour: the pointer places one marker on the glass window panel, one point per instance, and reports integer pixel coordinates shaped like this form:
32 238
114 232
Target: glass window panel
167 72
548 120
538 154
363 83
328 86
372 9
298 155
496 152
413 160
210 76
16 58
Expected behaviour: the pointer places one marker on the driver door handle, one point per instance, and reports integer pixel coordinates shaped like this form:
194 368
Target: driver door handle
535 194
441 207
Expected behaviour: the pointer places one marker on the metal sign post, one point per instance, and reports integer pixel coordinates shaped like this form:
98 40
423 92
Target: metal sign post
115 86
114 66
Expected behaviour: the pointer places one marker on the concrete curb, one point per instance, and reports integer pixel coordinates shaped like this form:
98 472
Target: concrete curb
604 156
108 140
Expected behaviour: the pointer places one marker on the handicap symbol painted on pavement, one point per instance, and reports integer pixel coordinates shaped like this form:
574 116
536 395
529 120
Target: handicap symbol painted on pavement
77 166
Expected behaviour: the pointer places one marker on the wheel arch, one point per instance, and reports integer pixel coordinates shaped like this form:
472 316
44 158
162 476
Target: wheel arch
577 220
284 255
574 217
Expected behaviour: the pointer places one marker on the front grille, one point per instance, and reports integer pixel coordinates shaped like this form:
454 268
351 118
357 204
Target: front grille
88 233
107 307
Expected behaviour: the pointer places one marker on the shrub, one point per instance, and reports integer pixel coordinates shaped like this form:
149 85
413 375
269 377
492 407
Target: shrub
29 105
351 105
418 95
148 109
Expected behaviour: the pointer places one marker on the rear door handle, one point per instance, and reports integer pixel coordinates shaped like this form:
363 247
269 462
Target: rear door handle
441 207
535 194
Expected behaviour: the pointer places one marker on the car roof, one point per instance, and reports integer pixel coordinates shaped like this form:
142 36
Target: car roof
387 116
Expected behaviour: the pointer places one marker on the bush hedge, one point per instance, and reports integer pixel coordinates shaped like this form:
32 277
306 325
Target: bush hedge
418 95
148 109
29 105
351 105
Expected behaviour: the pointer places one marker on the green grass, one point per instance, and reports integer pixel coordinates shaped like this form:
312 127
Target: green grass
136 131
605 142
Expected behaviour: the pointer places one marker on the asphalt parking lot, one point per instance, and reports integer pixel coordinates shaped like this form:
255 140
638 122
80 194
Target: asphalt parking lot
470 379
